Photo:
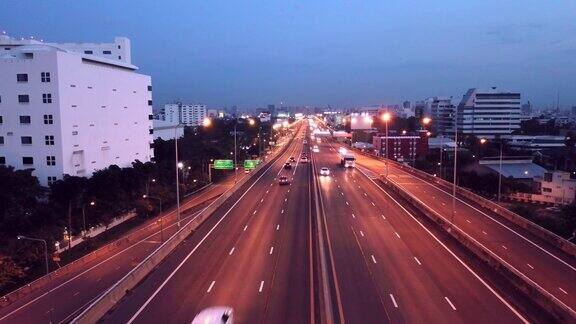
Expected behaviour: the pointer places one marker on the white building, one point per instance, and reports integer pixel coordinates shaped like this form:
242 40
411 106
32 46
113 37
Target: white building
187 114
442 112
554 188
66 112
489 113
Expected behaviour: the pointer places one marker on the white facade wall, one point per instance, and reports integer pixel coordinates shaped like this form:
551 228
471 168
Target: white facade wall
489 113
172 113
187 114
101 112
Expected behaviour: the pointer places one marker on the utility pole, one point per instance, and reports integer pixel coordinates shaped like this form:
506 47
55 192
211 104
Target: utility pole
455 165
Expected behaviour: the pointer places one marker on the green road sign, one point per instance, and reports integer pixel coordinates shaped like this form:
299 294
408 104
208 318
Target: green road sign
251 164
223 164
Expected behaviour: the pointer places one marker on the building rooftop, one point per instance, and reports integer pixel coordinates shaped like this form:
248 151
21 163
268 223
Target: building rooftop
518 169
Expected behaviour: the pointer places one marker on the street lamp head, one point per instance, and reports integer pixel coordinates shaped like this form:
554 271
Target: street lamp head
207 122
20 237
144 196
180 165
251 122
92 203
386 117
153 180
483 140
426 120
404 132
428 134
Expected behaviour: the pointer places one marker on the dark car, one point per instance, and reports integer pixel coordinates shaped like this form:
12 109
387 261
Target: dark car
292 159
283 180
287 165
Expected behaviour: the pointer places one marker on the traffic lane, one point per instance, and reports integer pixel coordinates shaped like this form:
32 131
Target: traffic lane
534 263
219 236
74 293
361 299
429 279
290 295
553 275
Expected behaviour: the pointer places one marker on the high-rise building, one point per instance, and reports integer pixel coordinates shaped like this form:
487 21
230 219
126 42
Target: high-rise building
527 109
187 114
65 111
419 109
442 113
489 113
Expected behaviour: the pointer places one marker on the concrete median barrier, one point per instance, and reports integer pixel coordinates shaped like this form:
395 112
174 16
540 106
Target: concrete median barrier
524 284
114 294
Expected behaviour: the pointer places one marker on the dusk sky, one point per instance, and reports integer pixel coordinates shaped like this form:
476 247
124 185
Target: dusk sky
339 53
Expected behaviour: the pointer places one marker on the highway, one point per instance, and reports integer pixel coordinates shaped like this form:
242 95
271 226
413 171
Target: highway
544 264
252 254
67 294
389 267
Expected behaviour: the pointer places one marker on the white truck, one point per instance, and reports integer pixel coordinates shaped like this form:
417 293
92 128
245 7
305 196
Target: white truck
347 159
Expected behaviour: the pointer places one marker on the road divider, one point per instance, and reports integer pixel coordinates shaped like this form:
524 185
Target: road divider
95 311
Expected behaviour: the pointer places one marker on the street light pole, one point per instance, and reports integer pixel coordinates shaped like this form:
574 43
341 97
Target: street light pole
455 165
161 217
235 151
500 174
176 164
22 237
386 118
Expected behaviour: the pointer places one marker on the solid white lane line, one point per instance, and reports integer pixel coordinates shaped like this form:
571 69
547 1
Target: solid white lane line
271 250
261 286
231 250
211 285
450 303
398 235
362 233
278 227
373 258
245 227
562 290
417 261
393 300
530 266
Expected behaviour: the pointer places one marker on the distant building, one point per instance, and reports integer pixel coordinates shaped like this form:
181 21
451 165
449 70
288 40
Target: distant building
527 109
272 110
489 113
553 188
419 109
403 148
442 113
72 108
574 111
406 105
187 114
515 168
534 143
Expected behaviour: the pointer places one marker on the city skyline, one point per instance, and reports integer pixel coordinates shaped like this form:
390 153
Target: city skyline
338 54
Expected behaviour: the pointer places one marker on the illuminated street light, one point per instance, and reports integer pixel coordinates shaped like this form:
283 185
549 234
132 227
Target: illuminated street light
483 140
207 122
426 120
251 122
22 237
180 165
386 117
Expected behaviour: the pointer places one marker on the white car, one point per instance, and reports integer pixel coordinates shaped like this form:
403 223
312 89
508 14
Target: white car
324 171
215 315
315 149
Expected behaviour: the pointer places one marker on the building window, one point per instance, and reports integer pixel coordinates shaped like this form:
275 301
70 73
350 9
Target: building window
27 160
50 160
23 98
47 98
88 52
24 119
49 139
75 133
1 140
2 160
150 117
26 140
151 131
149 102
119 47
45 76
51 180
22 77
119 57
1 120
107 52
149 88
48 120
